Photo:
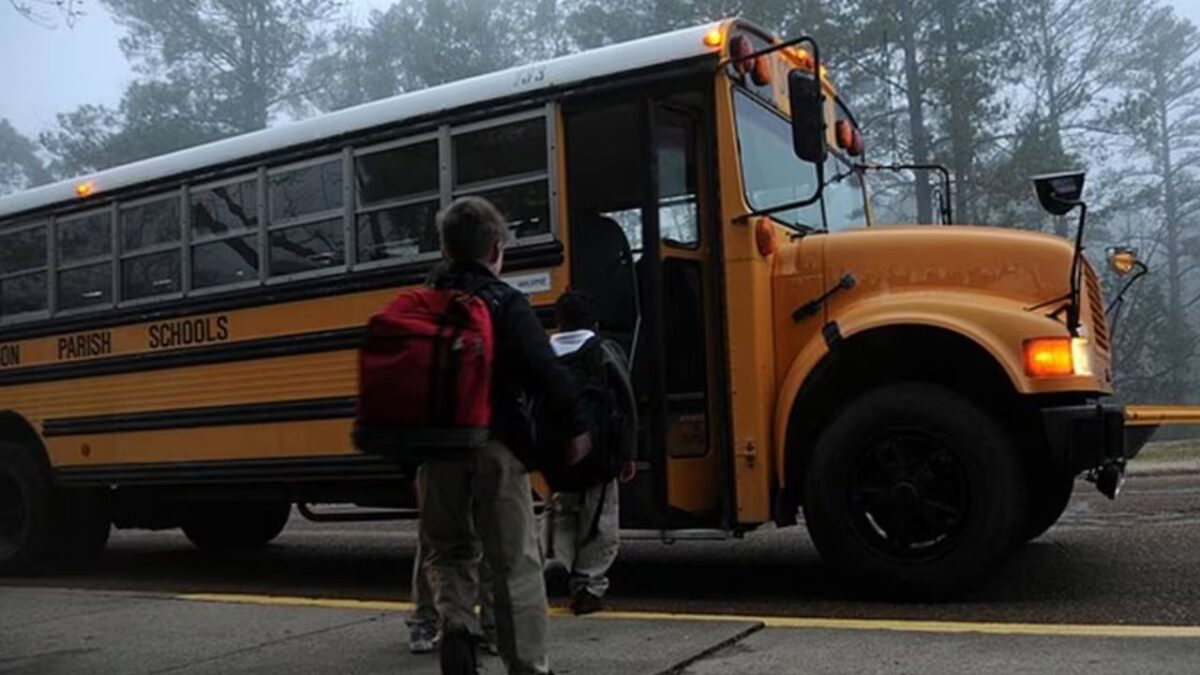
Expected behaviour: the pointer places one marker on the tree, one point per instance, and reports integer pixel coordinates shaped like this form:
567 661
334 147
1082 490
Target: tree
1064 55
153 118
443 41
20 166
1160 121
248 55
363 64
43 12
210 69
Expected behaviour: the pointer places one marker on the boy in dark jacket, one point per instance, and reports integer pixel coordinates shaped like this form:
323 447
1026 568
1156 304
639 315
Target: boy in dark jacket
582 528
489 496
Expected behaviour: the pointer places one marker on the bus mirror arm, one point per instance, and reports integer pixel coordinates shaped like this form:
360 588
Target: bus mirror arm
1114 307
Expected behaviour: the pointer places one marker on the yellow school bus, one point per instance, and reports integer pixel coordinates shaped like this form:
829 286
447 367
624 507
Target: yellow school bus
178 335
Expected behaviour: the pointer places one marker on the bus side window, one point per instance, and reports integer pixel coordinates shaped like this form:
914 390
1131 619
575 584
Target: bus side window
147 269
508 165
23 276
306 228
85 260
224 222
398 199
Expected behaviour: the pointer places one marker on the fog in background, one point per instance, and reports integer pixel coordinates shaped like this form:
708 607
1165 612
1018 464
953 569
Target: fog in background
997 90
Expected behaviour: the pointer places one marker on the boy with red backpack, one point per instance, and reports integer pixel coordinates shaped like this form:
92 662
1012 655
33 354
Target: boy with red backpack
437 377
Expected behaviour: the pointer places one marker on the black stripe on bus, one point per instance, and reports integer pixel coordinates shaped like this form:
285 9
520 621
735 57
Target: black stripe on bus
539 256
245 350
230 471
263 348
191 418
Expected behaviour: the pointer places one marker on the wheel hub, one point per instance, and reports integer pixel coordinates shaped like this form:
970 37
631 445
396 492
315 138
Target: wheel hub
909 496
904 496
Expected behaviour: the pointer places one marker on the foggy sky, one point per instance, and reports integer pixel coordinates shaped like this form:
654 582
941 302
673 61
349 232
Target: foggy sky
46 72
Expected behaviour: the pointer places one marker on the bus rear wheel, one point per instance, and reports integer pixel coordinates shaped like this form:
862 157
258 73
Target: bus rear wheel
914 491
26 522
235 526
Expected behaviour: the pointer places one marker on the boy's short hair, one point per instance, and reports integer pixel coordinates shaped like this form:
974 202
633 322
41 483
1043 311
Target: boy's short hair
470 227
576 310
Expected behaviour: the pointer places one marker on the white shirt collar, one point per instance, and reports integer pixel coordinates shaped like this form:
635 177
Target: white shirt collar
570 341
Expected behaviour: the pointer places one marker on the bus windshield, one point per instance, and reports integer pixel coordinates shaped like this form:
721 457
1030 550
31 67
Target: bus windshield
771 172
773 175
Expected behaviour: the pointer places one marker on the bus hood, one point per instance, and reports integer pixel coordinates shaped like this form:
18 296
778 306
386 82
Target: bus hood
1026 266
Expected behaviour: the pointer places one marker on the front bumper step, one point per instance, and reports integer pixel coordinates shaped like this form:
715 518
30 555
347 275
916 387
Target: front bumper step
1100 437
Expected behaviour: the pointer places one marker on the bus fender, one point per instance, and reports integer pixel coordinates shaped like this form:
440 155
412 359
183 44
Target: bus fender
999 326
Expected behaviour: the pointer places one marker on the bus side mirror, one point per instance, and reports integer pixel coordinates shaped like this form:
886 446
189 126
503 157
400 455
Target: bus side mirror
808 116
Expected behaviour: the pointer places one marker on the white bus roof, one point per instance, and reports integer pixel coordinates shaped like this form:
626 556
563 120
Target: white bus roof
628 56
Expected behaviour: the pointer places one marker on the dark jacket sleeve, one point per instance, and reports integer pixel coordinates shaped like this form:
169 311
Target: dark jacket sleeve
545 377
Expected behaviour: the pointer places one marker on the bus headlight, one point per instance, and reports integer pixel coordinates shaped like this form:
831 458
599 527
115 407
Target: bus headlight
1058 357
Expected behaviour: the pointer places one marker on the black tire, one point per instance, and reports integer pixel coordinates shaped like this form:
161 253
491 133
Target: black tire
1048 498
234 526
27 522
915 492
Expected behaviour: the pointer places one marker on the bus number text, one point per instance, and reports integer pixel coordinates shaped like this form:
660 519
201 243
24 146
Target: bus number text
529 77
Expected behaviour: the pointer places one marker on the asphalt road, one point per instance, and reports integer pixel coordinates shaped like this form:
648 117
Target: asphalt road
1133 561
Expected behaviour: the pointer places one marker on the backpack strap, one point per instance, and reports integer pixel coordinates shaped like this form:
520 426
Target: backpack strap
491 291
617 366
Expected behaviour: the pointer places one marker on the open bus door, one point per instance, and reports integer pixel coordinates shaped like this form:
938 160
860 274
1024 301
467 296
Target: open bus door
641 244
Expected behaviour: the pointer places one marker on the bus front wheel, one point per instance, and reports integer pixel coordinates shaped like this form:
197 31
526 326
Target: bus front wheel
915 491
1051 494
27 532
234 526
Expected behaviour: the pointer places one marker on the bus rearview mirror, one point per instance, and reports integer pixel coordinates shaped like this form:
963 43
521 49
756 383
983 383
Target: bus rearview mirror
808 116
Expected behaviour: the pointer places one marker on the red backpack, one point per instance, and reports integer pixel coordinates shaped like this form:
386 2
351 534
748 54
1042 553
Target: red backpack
425 375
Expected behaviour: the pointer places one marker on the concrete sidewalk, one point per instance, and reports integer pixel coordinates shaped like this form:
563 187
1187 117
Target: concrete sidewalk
46 631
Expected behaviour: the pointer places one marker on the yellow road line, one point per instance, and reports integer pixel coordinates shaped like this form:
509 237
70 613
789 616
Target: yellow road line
899 625
289 601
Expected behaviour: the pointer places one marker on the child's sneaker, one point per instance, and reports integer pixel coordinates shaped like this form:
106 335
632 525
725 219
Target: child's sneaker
585 603
423 638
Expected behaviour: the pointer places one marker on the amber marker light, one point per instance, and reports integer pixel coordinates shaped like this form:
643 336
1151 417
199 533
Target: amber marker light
1057 357
764 236
714 38
85 189
1048 357
806 61
805 58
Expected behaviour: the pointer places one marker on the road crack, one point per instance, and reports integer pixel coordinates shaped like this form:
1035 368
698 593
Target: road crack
679 668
